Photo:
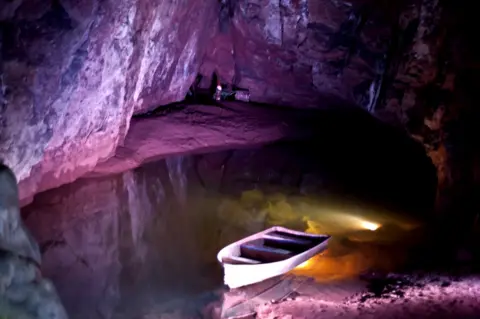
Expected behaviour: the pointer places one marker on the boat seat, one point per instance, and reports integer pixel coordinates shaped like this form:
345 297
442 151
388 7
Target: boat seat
302 240
257 251
293 244
313 240
236 260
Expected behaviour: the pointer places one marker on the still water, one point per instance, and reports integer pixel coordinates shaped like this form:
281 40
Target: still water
145 241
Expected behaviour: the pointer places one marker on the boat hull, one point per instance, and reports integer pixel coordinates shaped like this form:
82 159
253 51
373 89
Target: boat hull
238 275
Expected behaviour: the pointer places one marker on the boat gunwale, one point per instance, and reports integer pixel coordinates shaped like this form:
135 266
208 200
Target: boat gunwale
260 235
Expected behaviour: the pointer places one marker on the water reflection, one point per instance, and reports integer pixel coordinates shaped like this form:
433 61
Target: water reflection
117 244
145 241
354 247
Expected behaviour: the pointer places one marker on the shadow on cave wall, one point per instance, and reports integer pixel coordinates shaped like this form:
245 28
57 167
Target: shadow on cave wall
350 153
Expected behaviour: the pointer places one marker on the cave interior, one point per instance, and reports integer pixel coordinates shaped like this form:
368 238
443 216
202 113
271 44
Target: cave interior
137 138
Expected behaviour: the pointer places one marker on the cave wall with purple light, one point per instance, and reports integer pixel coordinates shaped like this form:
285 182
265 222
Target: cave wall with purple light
411 64
301 53
88 90
73 73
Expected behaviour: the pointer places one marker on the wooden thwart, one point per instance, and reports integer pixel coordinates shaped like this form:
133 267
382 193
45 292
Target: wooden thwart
235 260
257 250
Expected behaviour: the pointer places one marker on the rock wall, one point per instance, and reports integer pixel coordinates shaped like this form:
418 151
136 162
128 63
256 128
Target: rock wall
24 293
73 73
302 52
410 63
431 91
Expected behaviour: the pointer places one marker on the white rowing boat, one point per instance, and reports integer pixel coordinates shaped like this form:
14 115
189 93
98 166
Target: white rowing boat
268 254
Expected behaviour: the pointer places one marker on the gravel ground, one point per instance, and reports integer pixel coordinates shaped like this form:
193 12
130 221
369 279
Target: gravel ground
386 296
390 296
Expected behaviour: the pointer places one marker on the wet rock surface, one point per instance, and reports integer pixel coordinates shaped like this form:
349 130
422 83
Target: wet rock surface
302 52
410 63
353 152
385 286
24 293
203 128
73 73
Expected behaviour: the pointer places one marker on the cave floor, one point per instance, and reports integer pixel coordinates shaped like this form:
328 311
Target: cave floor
398 297
390 296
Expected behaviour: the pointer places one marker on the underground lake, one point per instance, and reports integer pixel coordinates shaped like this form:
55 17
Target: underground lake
144 242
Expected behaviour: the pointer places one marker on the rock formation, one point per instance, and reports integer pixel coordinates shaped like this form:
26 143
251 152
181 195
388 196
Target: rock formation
430 92
73 73
409 63
302 52
24 293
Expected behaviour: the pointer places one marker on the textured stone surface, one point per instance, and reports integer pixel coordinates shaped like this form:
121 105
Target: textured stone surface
14 237
202 128
24 294
73 73
410 63
430 91
301 52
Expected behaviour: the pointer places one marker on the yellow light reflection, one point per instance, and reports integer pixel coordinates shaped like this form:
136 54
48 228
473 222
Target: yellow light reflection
369 225
362 238
305 264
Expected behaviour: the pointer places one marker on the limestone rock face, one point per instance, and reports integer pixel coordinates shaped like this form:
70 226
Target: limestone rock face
14 237
301 52
73 73
410 63
24 294
430 91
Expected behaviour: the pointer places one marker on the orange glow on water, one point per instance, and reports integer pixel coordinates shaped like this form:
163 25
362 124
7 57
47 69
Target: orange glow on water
305 264
362 238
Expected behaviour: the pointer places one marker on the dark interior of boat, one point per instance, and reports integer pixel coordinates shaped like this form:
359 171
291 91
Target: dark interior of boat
275 246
